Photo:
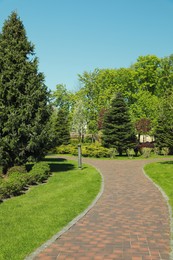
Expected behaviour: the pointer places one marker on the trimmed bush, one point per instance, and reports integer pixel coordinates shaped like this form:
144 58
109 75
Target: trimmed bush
146 152
95 150
156 150
67 149
16 182
130 152
39 173
19 169
165 151
88 150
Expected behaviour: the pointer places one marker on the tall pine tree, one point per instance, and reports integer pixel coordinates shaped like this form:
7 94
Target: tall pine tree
164 130
24 98
118 131
61 127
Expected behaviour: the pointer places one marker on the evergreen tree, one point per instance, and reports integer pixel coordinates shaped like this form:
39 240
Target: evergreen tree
164 130
164 135
61 128
24 99
118 131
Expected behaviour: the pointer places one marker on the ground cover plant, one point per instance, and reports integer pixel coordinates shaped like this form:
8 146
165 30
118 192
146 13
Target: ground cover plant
29 220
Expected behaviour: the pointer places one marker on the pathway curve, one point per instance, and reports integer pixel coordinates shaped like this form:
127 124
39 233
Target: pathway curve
129 222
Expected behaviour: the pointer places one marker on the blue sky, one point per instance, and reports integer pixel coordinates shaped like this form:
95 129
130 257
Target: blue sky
73 36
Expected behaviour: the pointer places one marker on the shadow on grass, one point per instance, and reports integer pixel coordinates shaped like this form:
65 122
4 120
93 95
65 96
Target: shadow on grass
55 167
58 164
54 159
167 162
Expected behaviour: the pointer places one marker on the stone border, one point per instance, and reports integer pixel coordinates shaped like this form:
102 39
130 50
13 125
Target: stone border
168 205
71 223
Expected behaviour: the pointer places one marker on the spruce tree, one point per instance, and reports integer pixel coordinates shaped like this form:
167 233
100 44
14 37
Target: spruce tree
24 98
164 131
118 131
61 128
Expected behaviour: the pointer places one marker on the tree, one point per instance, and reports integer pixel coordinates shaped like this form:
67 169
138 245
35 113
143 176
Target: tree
79 122
164 129
145 106
165 76
62 97
143 126
118 131
61 127
24 98
147 72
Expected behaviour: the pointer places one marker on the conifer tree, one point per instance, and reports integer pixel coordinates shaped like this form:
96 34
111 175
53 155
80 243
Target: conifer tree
164 130
61 127
24 98
118 131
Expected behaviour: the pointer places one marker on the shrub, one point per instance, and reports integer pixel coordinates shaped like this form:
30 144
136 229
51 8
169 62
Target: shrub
156 150
15 182
146 152
39 173
145 145
19 169
67 149
130 152
13 185
165 151
113 152
95 150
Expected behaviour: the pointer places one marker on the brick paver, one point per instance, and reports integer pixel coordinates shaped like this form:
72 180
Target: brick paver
130 221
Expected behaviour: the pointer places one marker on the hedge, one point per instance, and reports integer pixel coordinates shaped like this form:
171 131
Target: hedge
17 182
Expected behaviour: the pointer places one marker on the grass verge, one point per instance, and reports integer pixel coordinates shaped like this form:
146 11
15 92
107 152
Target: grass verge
29 220
162 174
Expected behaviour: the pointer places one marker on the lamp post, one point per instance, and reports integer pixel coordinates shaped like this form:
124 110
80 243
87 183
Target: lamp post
79 156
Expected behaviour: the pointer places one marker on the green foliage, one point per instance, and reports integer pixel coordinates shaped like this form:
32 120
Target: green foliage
46 209
156 150
165 81
130 153
17 179
39 173
60 127
165 151
118 131
67 149
62 98
88 150
19 169
79 120
146 152
145 105
147 70
164 129
142 85
24 98
95 150
13 185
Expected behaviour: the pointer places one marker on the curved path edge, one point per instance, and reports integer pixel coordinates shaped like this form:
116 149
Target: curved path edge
71 223
169 208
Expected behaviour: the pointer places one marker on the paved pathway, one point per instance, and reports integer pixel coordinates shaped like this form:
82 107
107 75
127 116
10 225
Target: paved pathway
130 221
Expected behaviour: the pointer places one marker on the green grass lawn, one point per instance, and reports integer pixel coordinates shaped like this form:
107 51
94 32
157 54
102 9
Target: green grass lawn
162 174
29 220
